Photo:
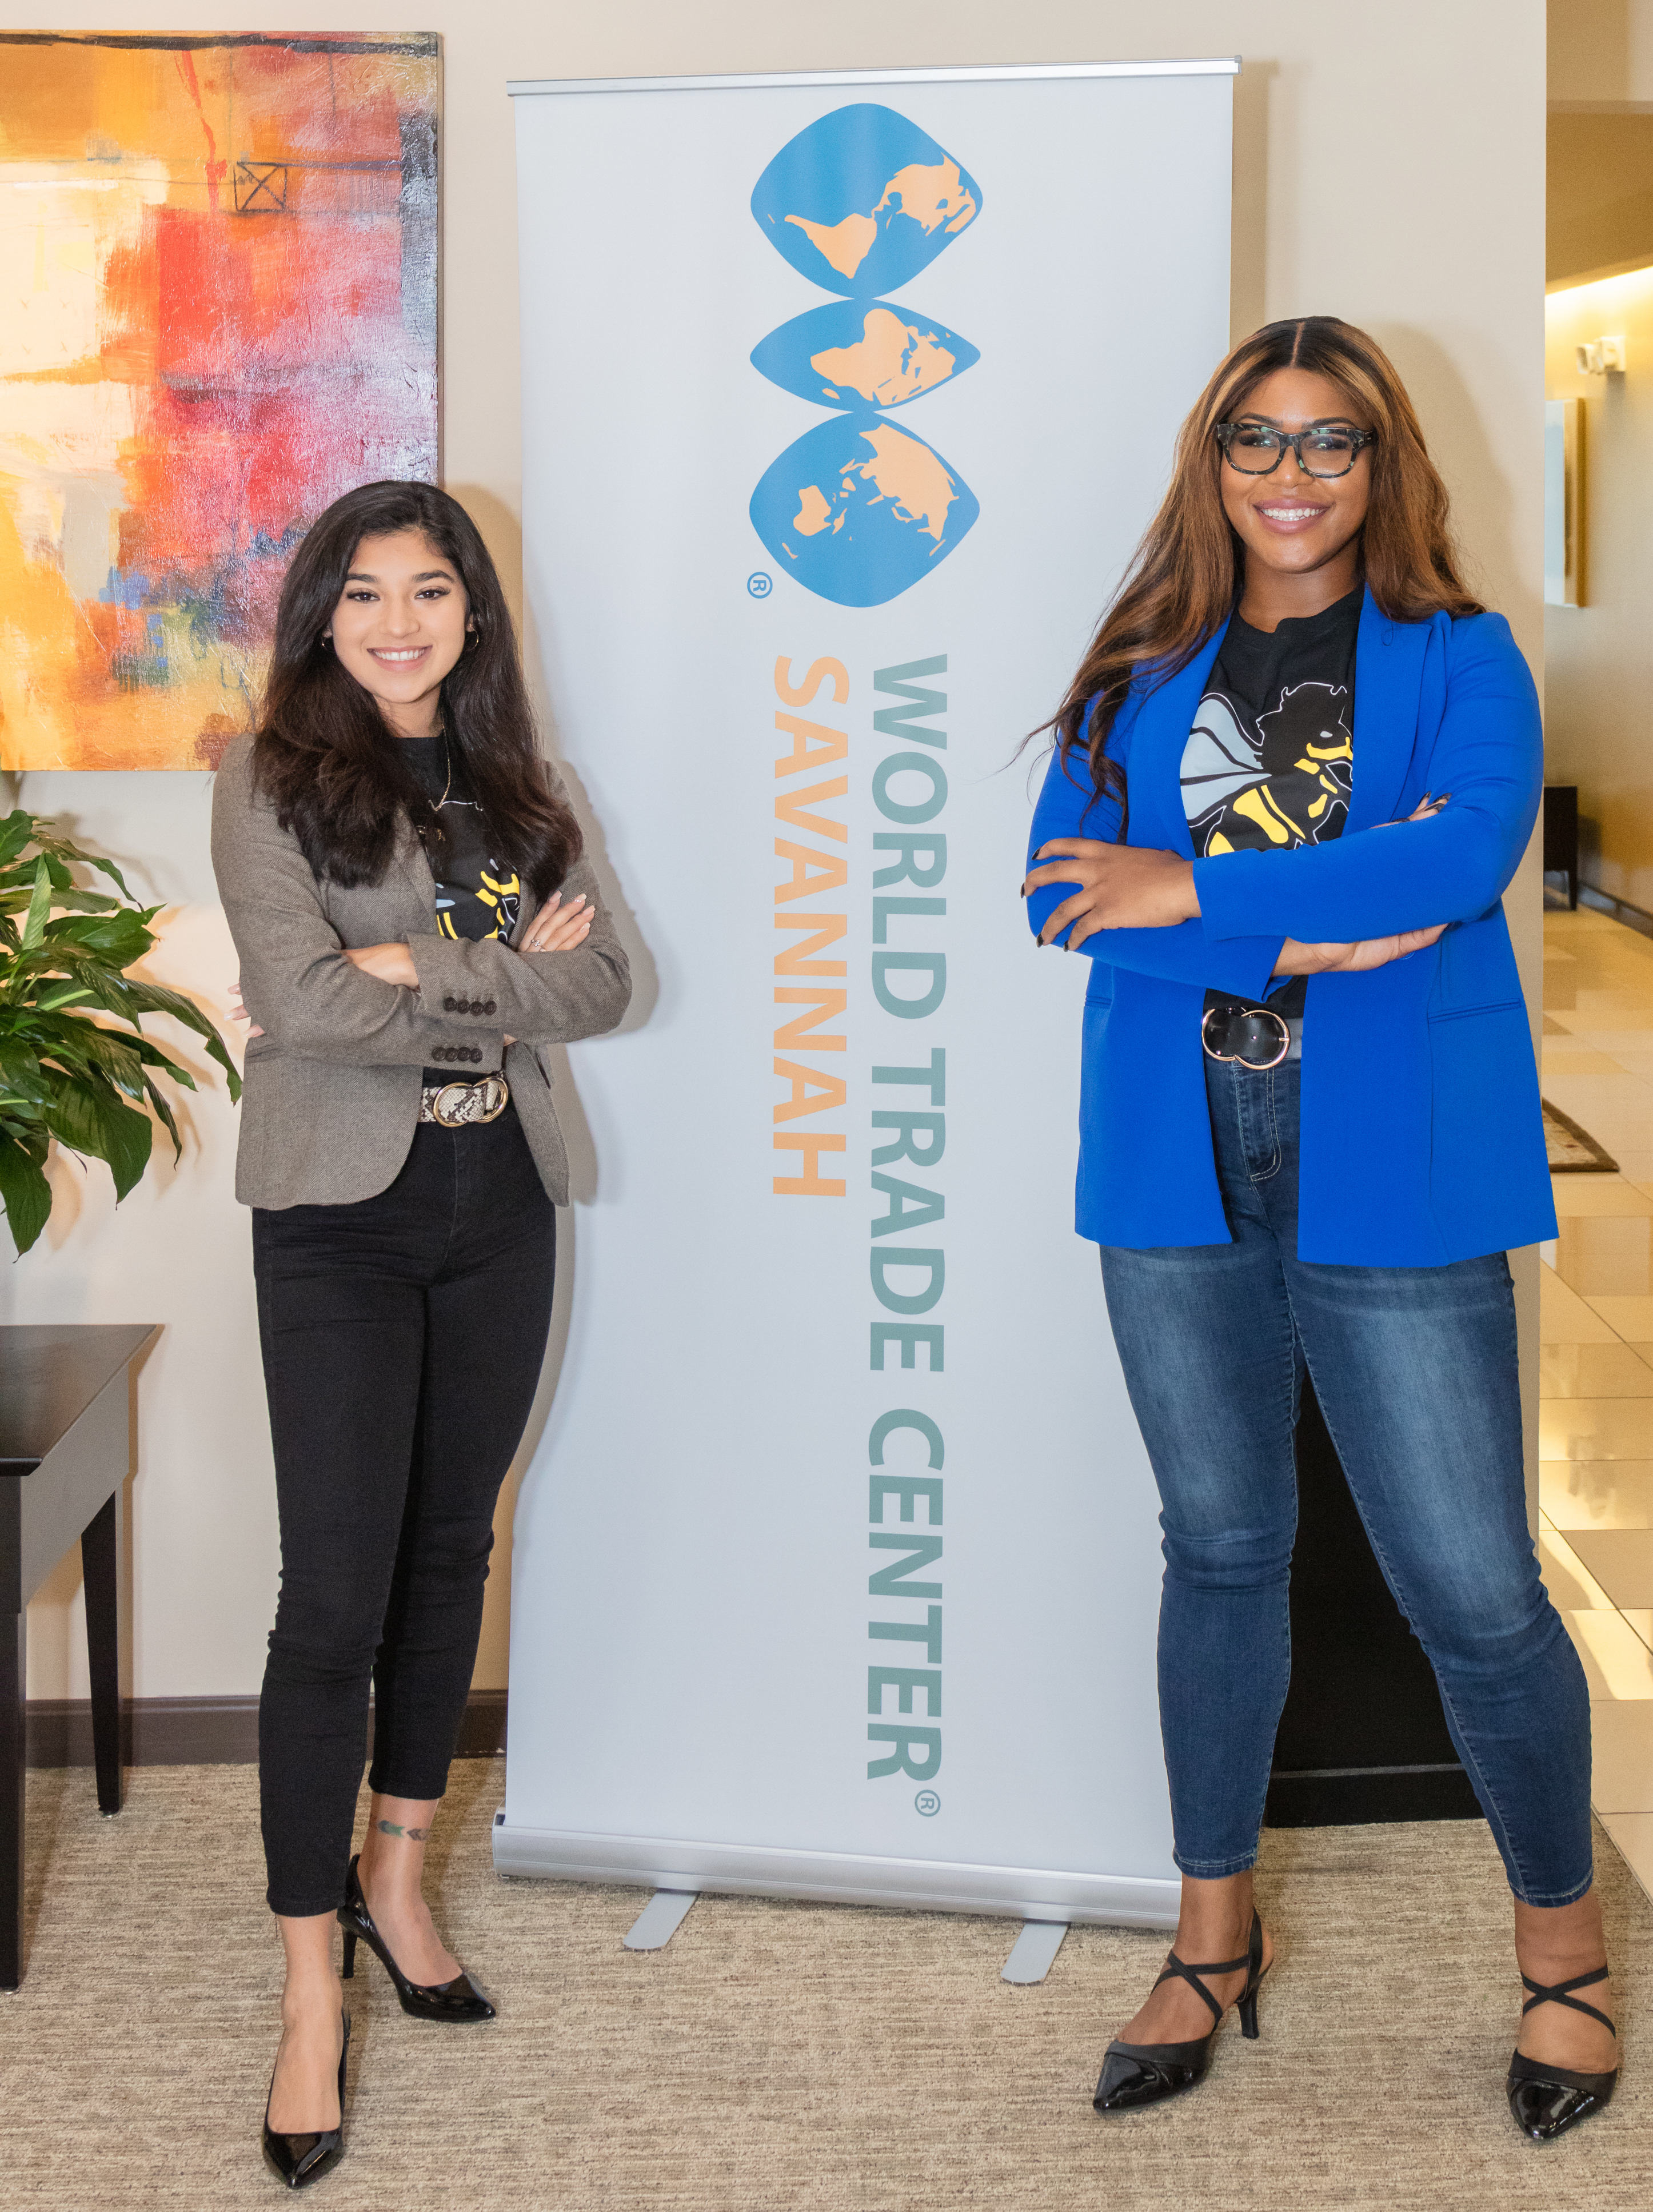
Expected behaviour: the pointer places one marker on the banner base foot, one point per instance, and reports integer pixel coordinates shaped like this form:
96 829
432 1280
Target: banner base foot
1034 1951
1049 1896
660 1919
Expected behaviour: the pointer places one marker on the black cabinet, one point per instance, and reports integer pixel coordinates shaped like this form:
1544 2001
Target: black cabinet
1362 1736
1561 836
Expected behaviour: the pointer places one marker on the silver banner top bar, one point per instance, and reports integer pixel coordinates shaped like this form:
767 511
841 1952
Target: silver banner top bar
1220 65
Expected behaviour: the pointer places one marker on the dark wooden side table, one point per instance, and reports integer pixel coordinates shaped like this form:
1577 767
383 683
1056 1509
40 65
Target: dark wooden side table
65 1450
1561 836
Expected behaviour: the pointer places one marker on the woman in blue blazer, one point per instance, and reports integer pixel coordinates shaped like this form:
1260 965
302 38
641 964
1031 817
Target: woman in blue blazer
1293 778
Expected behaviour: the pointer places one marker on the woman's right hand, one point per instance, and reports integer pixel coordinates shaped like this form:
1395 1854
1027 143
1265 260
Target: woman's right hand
1297 959
239 1011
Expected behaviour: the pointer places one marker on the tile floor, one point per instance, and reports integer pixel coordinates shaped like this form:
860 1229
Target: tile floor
1595 1380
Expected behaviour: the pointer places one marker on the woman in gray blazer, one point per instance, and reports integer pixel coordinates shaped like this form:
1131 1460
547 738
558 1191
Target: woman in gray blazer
404 882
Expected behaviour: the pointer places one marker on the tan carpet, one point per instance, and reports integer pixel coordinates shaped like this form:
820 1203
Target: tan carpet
780 2056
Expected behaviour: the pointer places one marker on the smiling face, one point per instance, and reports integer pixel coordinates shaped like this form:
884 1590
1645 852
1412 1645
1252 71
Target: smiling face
1290 523
400 627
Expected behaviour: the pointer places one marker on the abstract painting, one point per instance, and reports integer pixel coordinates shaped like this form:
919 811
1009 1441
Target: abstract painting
217 312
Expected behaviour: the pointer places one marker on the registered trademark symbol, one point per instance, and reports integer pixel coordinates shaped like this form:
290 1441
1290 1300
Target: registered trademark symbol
759 585
927 1803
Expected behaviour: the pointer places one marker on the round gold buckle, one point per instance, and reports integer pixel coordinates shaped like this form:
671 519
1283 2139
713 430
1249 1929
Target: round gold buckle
1256 1066
462 1105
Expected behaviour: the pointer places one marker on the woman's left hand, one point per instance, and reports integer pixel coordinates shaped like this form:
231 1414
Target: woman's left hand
1294 958
557 927
390 963
1120 887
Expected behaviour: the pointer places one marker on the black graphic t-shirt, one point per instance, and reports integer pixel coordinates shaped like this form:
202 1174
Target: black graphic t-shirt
476 895
1269 760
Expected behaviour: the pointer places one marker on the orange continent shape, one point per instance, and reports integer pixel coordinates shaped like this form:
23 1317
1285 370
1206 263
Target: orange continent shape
931 194
844 245
891 361
908 474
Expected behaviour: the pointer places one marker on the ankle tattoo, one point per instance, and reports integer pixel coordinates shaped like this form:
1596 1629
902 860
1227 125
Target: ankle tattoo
413 1835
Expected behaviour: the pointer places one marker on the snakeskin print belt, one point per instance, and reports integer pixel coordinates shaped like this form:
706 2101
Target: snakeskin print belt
458 1105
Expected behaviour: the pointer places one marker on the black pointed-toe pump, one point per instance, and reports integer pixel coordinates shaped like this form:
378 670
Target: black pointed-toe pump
458 2000
1137 2074
301 2159
1546 2100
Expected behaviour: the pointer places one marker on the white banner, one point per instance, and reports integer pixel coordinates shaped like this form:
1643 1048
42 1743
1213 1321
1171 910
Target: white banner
836 1570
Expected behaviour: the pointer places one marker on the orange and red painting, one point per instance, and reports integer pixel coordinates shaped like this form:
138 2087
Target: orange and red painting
217 312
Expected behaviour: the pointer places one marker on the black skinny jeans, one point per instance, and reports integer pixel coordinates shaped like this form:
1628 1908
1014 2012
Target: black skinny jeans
402 1340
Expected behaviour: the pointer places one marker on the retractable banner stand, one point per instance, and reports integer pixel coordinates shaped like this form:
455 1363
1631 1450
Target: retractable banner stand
845 401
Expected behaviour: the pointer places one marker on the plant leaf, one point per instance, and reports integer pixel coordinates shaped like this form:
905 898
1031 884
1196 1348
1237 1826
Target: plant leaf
163 1112
27 1193
39 906
87 1116
82 1040
136 997
78 901
46 838
102 1048
66 1071
21 1070
121 937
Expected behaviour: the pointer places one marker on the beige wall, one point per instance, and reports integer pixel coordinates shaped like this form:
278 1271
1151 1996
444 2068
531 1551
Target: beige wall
1601 137
1600 196
1599 656
1389 168
1601 49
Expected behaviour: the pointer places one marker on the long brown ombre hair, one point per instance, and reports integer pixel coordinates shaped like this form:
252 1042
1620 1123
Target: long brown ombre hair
325 758
1185 577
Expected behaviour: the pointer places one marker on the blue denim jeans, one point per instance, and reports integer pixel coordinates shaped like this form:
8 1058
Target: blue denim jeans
1415 1371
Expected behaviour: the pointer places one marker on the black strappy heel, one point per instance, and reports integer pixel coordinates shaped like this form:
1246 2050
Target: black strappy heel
1546 2100
1137 2074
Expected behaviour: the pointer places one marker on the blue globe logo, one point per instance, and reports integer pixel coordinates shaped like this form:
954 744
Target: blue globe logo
859 508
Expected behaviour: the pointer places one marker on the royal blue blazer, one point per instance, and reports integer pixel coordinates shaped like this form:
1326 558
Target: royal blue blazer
1421 1137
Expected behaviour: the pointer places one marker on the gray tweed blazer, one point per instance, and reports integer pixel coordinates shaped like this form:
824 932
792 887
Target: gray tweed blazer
332 1086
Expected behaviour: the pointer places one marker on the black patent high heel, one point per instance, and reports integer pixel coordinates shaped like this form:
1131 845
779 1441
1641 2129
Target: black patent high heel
1137 2074
458 2000
301 2159
1546 2100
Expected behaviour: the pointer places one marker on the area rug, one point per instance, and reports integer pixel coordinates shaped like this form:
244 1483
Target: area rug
1573 1151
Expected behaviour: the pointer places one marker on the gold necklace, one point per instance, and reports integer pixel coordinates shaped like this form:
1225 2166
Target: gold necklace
447 755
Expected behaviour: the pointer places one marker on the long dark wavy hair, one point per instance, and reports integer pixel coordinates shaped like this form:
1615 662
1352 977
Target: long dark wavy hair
323 754
1185 577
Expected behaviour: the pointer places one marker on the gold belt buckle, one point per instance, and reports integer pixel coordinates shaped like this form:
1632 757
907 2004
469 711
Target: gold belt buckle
461 1105
1256 1066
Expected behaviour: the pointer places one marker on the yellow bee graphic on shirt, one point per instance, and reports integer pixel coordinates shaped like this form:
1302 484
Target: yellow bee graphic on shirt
1288 785
500 891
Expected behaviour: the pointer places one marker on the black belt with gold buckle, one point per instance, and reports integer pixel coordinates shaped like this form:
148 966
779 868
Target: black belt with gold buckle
462 1105
1256 1036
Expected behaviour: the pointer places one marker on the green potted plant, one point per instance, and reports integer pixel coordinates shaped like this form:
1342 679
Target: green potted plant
64 1073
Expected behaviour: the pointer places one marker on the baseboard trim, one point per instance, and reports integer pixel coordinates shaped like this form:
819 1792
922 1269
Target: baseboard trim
207 1731
1633 917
